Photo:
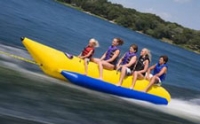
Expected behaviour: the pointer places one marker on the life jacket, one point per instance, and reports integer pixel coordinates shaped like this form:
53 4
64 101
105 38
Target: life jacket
140 63
110 53
86 50
127 59
158 68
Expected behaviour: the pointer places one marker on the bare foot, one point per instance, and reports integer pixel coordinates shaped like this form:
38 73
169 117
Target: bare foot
144 91
100 78
118 85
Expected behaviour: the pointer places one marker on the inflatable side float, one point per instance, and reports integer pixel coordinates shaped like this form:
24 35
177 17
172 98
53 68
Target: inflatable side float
106 87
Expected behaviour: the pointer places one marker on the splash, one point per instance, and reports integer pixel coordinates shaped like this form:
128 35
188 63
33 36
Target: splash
14 54
181 108
188 110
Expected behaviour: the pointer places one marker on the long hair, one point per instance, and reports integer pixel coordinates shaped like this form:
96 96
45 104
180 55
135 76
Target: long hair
148 52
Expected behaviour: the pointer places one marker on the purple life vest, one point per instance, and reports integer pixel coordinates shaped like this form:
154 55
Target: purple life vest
110 53
127 58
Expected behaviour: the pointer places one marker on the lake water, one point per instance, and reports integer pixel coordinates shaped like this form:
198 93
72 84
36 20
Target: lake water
29 96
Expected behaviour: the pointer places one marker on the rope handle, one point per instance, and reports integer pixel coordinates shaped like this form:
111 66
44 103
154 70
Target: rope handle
19 58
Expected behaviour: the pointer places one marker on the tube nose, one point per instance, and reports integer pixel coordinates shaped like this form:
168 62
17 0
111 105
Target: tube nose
22 38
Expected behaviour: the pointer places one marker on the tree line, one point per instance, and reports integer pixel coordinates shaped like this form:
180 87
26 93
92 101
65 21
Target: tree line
146 23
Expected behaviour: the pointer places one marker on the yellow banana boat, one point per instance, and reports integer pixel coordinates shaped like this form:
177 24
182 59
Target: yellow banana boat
53 62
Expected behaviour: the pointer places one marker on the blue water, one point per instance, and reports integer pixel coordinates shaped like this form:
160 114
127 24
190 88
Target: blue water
67 29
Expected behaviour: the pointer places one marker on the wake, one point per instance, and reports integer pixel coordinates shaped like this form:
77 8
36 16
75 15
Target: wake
15 55
181 108
188 110
185 109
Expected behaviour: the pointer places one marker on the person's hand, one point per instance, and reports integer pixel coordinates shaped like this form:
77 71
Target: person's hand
100 59
81 57
118 67
146 77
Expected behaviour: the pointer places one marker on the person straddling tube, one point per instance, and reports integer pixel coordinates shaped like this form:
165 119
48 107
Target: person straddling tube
159 72
141 66
88 52
126 63
109 58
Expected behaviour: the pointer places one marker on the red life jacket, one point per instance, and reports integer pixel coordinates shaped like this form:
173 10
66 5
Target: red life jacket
86 50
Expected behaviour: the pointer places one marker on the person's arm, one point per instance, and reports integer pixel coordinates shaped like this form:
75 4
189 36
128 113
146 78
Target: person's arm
116 53
119 62
86 56
131 62
162 71
149 70
146 65
103 56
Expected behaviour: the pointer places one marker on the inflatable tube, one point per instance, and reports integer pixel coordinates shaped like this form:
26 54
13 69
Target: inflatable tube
52 62
102 86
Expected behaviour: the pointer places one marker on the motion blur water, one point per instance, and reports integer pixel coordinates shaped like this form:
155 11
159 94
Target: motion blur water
33 98
28 96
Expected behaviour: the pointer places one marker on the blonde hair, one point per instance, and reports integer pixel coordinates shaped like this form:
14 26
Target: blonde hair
148 52
96 43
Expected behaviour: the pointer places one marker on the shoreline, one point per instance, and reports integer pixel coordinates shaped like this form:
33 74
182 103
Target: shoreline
163 39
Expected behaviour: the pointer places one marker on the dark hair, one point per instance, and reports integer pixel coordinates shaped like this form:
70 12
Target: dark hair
120 41
135 47
165 58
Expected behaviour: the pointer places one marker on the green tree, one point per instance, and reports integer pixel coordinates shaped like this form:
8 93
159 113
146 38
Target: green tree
147 23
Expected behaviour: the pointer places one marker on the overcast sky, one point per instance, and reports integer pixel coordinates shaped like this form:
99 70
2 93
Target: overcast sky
183 12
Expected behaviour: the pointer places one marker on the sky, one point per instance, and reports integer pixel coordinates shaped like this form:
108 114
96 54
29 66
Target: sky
183 12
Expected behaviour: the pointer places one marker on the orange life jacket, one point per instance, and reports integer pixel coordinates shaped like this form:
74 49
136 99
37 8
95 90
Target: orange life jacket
86 50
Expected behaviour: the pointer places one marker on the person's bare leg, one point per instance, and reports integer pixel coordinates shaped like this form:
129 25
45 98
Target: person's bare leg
100 70
122 75
95 60
104 65
86 66
107 65
135 75
152 81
